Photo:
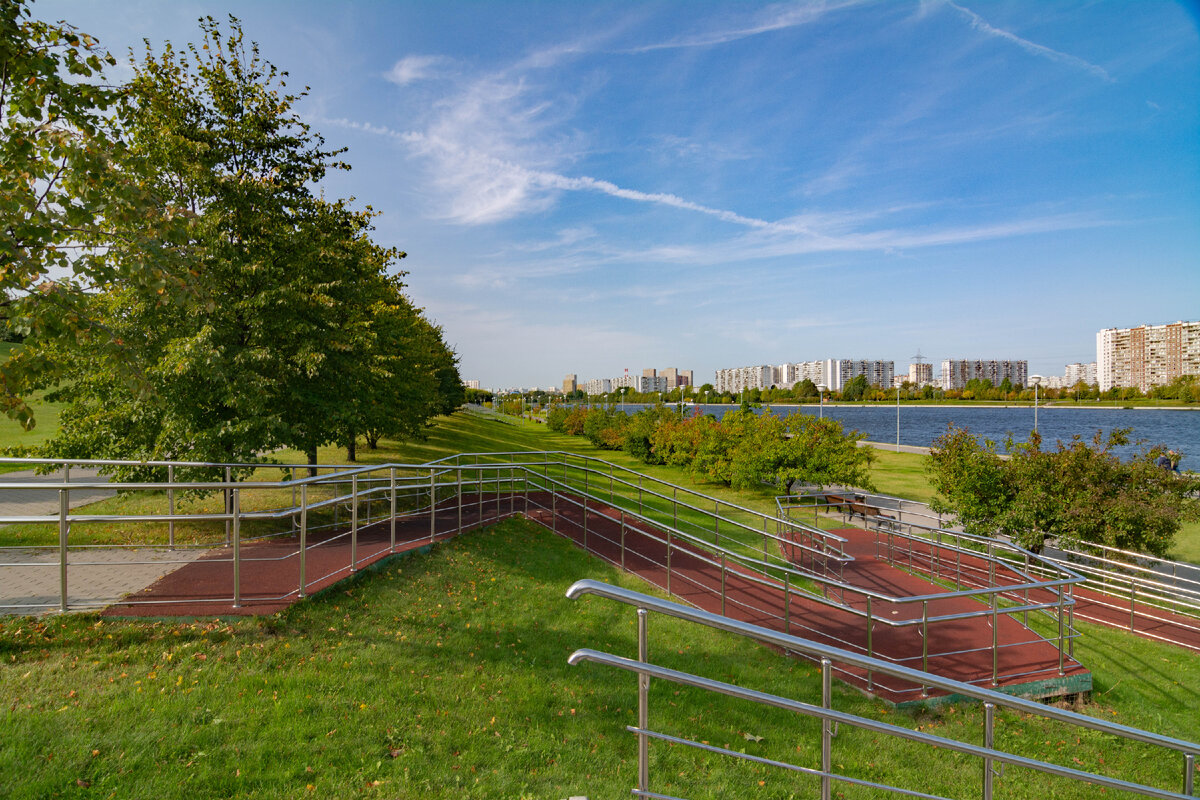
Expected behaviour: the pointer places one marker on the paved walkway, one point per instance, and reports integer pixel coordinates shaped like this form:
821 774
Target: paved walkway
40 502
96 577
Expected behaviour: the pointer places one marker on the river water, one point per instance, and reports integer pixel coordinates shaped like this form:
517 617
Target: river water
1177 429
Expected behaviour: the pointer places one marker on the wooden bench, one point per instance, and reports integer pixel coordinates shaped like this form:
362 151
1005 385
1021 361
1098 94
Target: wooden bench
866 512
838 501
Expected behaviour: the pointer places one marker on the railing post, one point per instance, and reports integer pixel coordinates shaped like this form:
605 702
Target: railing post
826 729
432 507
585 522
64 505
228 505
237 548
722 584
1061 643
989 723
668 562
870 646
554 510
171 506
675 506
622 539
1071 621
787 603
392 506
643 705
460 494
304 532
996 639
354 523
1026 597
1132 604
1189 773
924 643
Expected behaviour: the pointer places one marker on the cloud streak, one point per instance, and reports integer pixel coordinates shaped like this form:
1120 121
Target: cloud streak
981 25
411 69
774 18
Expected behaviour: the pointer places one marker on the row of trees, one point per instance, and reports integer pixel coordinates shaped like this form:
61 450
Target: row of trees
741 450
1185 389
177 277
1079 491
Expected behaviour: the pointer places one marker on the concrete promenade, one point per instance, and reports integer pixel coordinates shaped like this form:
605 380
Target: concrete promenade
30 577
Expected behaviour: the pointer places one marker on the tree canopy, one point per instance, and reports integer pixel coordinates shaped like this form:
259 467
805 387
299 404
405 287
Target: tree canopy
290 328
1079 491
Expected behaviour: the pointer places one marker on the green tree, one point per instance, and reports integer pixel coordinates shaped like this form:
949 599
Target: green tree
63 186
818 451
289 332
856 388
969 479
1078 492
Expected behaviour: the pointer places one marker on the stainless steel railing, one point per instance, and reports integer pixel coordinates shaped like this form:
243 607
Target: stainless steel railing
1145 591
679 519
825 774
1008 595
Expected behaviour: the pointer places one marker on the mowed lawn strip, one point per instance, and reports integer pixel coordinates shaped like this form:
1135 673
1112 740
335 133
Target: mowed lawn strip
444 675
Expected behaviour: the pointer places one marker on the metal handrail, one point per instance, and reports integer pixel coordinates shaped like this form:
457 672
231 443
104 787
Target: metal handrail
1120 576
827 656
536 468
1058 608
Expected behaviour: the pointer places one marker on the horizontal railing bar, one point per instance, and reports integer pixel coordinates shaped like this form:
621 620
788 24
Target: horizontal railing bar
770 762
668 608
844 718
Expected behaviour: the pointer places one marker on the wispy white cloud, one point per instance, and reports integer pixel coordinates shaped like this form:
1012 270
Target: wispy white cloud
773 18
980 24
411 69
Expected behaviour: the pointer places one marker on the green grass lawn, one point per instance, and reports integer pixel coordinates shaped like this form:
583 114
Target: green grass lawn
45 416
444 675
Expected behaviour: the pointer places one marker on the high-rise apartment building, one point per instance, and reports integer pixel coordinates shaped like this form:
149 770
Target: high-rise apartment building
736 379
1079 372
920 374
836 373
1147 356
956 373
570 383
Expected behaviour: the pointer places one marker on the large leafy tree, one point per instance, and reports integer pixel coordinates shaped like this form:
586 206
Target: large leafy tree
288 326
66 189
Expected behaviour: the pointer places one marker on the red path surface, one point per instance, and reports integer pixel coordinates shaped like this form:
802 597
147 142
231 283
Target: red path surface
961 649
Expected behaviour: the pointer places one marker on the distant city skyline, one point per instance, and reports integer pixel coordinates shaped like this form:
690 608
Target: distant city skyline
589 187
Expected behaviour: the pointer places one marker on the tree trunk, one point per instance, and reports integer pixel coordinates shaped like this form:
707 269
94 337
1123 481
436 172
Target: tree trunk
312 461
352 449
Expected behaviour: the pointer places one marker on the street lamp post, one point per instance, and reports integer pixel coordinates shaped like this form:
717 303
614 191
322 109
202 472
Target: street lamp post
897 419
821 389
1036 380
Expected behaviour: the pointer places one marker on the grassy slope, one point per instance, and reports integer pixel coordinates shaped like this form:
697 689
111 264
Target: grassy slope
444 675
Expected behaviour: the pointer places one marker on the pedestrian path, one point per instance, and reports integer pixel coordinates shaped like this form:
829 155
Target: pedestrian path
42 502
30 577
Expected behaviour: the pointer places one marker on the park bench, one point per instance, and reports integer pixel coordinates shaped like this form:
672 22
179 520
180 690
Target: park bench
838 501
871 512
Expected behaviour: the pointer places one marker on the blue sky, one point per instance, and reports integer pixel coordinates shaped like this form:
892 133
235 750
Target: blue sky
589 187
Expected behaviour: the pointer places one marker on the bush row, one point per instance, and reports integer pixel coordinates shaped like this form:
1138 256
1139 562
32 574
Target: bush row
743 449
